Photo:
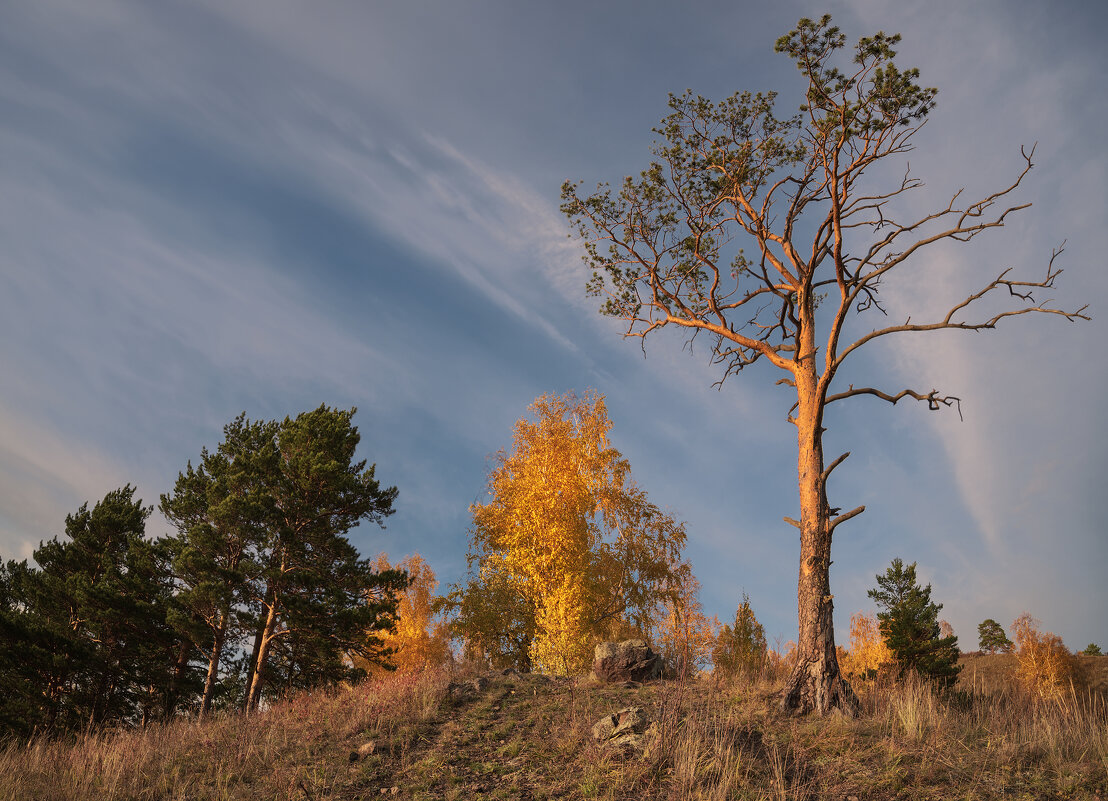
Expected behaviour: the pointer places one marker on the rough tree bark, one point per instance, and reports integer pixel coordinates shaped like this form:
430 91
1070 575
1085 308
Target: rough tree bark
816 682
254 693
266 633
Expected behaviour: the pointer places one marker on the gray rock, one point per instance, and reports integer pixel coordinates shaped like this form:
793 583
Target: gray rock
628 730
630 660
364 750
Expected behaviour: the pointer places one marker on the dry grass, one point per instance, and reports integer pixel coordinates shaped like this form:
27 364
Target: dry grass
295 749
732 742
526 737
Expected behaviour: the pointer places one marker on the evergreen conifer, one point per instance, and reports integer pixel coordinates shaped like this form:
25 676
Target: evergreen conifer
910 625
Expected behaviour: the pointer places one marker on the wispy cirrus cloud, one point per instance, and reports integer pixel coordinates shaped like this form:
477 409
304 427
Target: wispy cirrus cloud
212 207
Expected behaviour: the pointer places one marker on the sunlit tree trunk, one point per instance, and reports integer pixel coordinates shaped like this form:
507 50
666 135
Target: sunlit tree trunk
253 664
265 636
213 664
816 684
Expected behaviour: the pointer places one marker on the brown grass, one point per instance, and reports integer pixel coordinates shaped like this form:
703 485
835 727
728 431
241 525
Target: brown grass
527 737
295 749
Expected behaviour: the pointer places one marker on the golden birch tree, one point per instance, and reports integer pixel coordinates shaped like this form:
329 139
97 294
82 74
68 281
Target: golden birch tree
418 640
684 636
567 538
868 651
1045 665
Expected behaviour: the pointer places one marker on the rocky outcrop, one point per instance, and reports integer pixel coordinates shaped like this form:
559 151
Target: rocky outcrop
630 660
628 730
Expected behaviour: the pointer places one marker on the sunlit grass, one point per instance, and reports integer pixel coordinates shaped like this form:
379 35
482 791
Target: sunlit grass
266 755
525 737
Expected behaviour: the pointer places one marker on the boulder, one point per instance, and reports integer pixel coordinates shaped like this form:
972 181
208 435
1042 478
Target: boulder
627 730
630 660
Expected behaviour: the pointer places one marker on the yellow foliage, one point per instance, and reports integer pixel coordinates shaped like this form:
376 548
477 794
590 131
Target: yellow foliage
493 616
868 651
562 643
683 635
568 529
780 661
418 641
1045 665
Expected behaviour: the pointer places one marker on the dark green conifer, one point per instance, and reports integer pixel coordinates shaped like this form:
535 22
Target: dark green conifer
991 637
740 650
910 625
312 590
100 604
221 509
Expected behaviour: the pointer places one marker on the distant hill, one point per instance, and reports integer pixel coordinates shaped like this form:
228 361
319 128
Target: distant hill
992 673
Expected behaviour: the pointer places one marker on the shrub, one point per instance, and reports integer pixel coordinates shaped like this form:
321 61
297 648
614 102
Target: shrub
1044 663
780 661
741 650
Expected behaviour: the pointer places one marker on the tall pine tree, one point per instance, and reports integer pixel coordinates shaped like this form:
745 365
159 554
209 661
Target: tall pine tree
313 589
221 509
95 619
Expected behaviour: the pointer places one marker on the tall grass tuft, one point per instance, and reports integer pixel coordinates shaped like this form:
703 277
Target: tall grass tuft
913 711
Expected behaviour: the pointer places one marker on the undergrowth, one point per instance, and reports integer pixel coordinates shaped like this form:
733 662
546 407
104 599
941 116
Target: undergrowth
527 737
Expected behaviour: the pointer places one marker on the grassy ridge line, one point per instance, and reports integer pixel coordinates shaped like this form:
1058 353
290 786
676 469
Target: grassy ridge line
525 737
993 673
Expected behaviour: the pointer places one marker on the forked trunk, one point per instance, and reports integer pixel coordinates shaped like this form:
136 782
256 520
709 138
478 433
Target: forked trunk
815 684
252 665
265 634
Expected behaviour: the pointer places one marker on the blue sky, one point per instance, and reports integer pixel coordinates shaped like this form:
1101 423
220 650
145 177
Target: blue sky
212 207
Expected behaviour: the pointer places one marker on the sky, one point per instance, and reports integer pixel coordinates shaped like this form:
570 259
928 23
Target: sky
218 206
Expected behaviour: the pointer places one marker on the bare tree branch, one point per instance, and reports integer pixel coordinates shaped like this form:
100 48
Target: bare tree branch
844 517
933 398
664 251
827 472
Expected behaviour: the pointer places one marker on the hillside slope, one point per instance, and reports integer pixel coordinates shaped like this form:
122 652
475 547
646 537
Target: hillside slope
993 673
529 737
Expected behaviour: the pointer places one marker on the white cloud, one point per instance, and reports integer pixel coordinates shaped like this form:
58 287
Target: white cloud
42 474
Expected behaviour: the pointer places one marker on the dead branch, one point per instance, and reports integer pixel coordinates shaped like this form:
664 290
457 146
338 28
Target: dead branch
823 476
844 517
1019 289
933 398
